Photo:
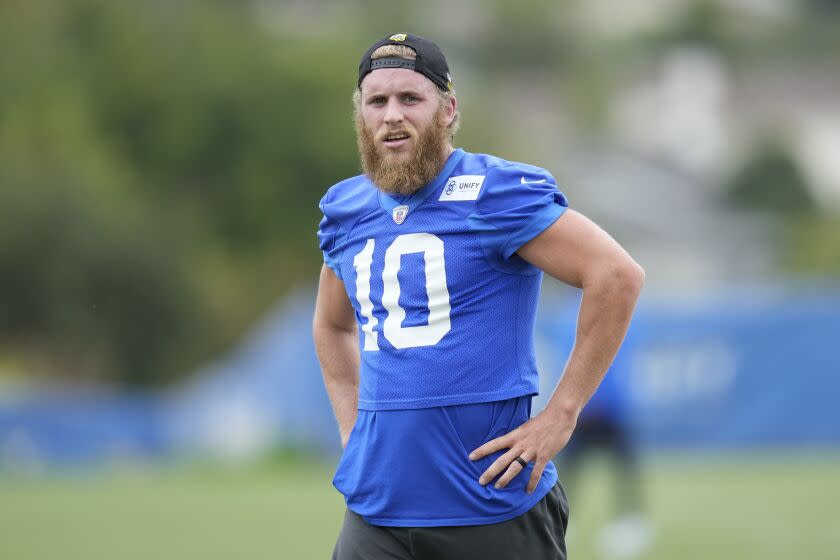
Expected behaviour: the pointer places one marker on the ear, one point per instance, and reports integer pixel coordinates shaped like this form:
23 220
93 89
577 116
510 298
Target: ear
450 106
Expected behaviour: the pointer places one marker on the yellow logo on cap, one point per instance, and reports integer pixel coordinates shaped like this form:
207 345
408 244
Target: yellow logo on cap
398 37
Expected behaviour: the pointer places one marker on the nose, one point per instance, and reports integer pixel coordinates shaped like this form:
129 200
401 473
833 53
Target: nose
393 112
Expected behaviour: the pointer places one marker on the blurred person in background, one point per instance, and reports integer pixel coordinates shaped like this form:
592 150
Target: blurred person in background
424 327
604 428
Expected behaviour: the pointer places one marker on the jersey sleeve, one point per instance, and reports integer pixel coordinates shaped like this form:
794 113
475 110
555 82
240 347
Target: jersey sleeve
329 235
517 204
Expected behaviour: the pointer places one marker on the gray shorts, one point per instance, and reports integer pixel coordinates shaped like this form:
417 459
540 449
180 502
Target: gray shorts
538 534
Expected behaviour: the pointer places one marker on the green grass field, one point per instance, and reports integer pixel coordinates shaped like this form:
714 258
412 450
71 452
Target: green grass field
702 509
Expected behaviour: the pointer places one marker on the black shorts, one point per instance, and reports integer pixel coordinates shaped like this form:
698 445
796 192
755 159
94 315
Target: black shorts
538 534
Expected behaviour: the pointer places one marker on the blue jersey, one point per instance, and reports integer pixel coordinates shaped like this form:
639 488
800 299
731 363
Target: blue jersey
446 315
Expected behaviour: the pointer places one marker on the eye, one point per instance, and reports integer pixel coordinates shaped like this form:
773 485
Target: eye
410 98
378 100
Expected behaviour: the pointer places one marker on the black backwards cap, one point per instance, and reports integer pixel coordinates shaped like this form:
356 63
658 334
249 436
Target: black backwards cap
430 60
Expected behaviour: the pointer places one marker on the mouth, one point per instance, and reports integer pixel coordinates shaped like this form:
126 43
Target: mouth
395 139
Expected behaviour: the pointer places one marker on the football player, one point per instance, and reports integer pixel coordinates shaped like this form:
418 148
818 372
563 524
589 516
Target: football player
424 321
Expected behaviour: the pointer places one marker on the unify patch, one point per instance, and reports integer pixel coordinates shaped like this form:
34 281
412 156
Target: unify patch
462 187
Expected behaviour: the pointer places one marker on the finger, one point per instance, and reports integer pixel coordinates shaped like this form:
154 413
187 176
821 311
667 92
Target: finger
513 469
536 474
498 466
491 447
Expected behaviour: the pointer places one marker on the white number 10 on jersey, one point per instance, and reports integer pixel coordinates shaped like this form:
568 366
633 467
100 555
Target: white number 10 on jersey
438 295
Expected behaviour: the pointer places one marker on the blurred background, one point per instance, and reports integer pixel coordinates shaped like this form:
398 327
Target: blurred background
160 168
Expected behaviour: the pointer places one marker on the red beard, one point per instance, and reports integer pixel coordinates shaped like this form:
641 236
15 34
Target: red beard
405 176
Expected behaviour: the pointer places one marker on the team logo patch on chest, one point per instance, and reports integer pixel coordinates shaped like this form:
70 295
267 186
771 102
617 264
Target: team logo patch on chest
399 214
462 187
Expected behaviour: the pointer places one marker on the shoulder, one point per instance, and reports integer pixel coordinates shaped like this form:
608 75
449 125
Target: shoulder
485 179
511 184
505 181
517 202
349 199
499 170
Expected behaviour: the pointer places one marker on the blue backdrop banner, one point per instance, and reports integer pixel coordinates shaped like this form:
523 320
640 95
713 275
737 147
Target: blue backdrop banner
752 369
745 370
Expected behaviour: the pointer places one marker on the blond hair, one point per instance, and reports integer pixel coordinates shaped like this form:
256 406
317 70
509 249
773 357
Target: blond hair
400 51
408 53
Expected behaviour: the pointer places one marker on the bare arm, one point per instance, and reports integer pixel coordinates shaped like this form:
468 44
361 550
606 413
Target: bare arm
575 251
337 345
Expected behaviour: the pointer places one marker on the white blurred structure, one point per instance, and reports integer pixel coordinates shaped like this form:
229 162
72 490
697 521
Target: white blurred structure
677 114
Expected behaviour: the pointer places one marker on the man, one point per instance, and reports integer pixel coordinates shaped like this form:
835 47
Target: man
604 428
424 327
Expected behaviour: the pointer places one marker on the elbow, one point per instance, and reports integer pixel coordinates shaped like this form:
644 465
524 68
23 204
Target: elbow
629 277
622 278
316 332
317 324
324 328
320 330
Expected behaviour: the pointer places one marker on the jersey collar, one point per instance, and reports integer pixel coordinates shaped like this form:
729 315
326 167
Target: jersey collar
388 202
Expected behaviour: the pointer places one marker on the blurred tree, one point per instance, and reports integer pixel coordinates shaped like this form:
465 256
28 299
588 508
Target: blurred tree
89 289
161 162
825 7
814 247
161 167
771 180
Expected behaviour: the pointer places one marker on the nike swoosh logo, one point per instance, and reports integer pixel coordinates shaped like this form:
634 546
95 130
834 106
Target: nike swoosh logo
524 181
